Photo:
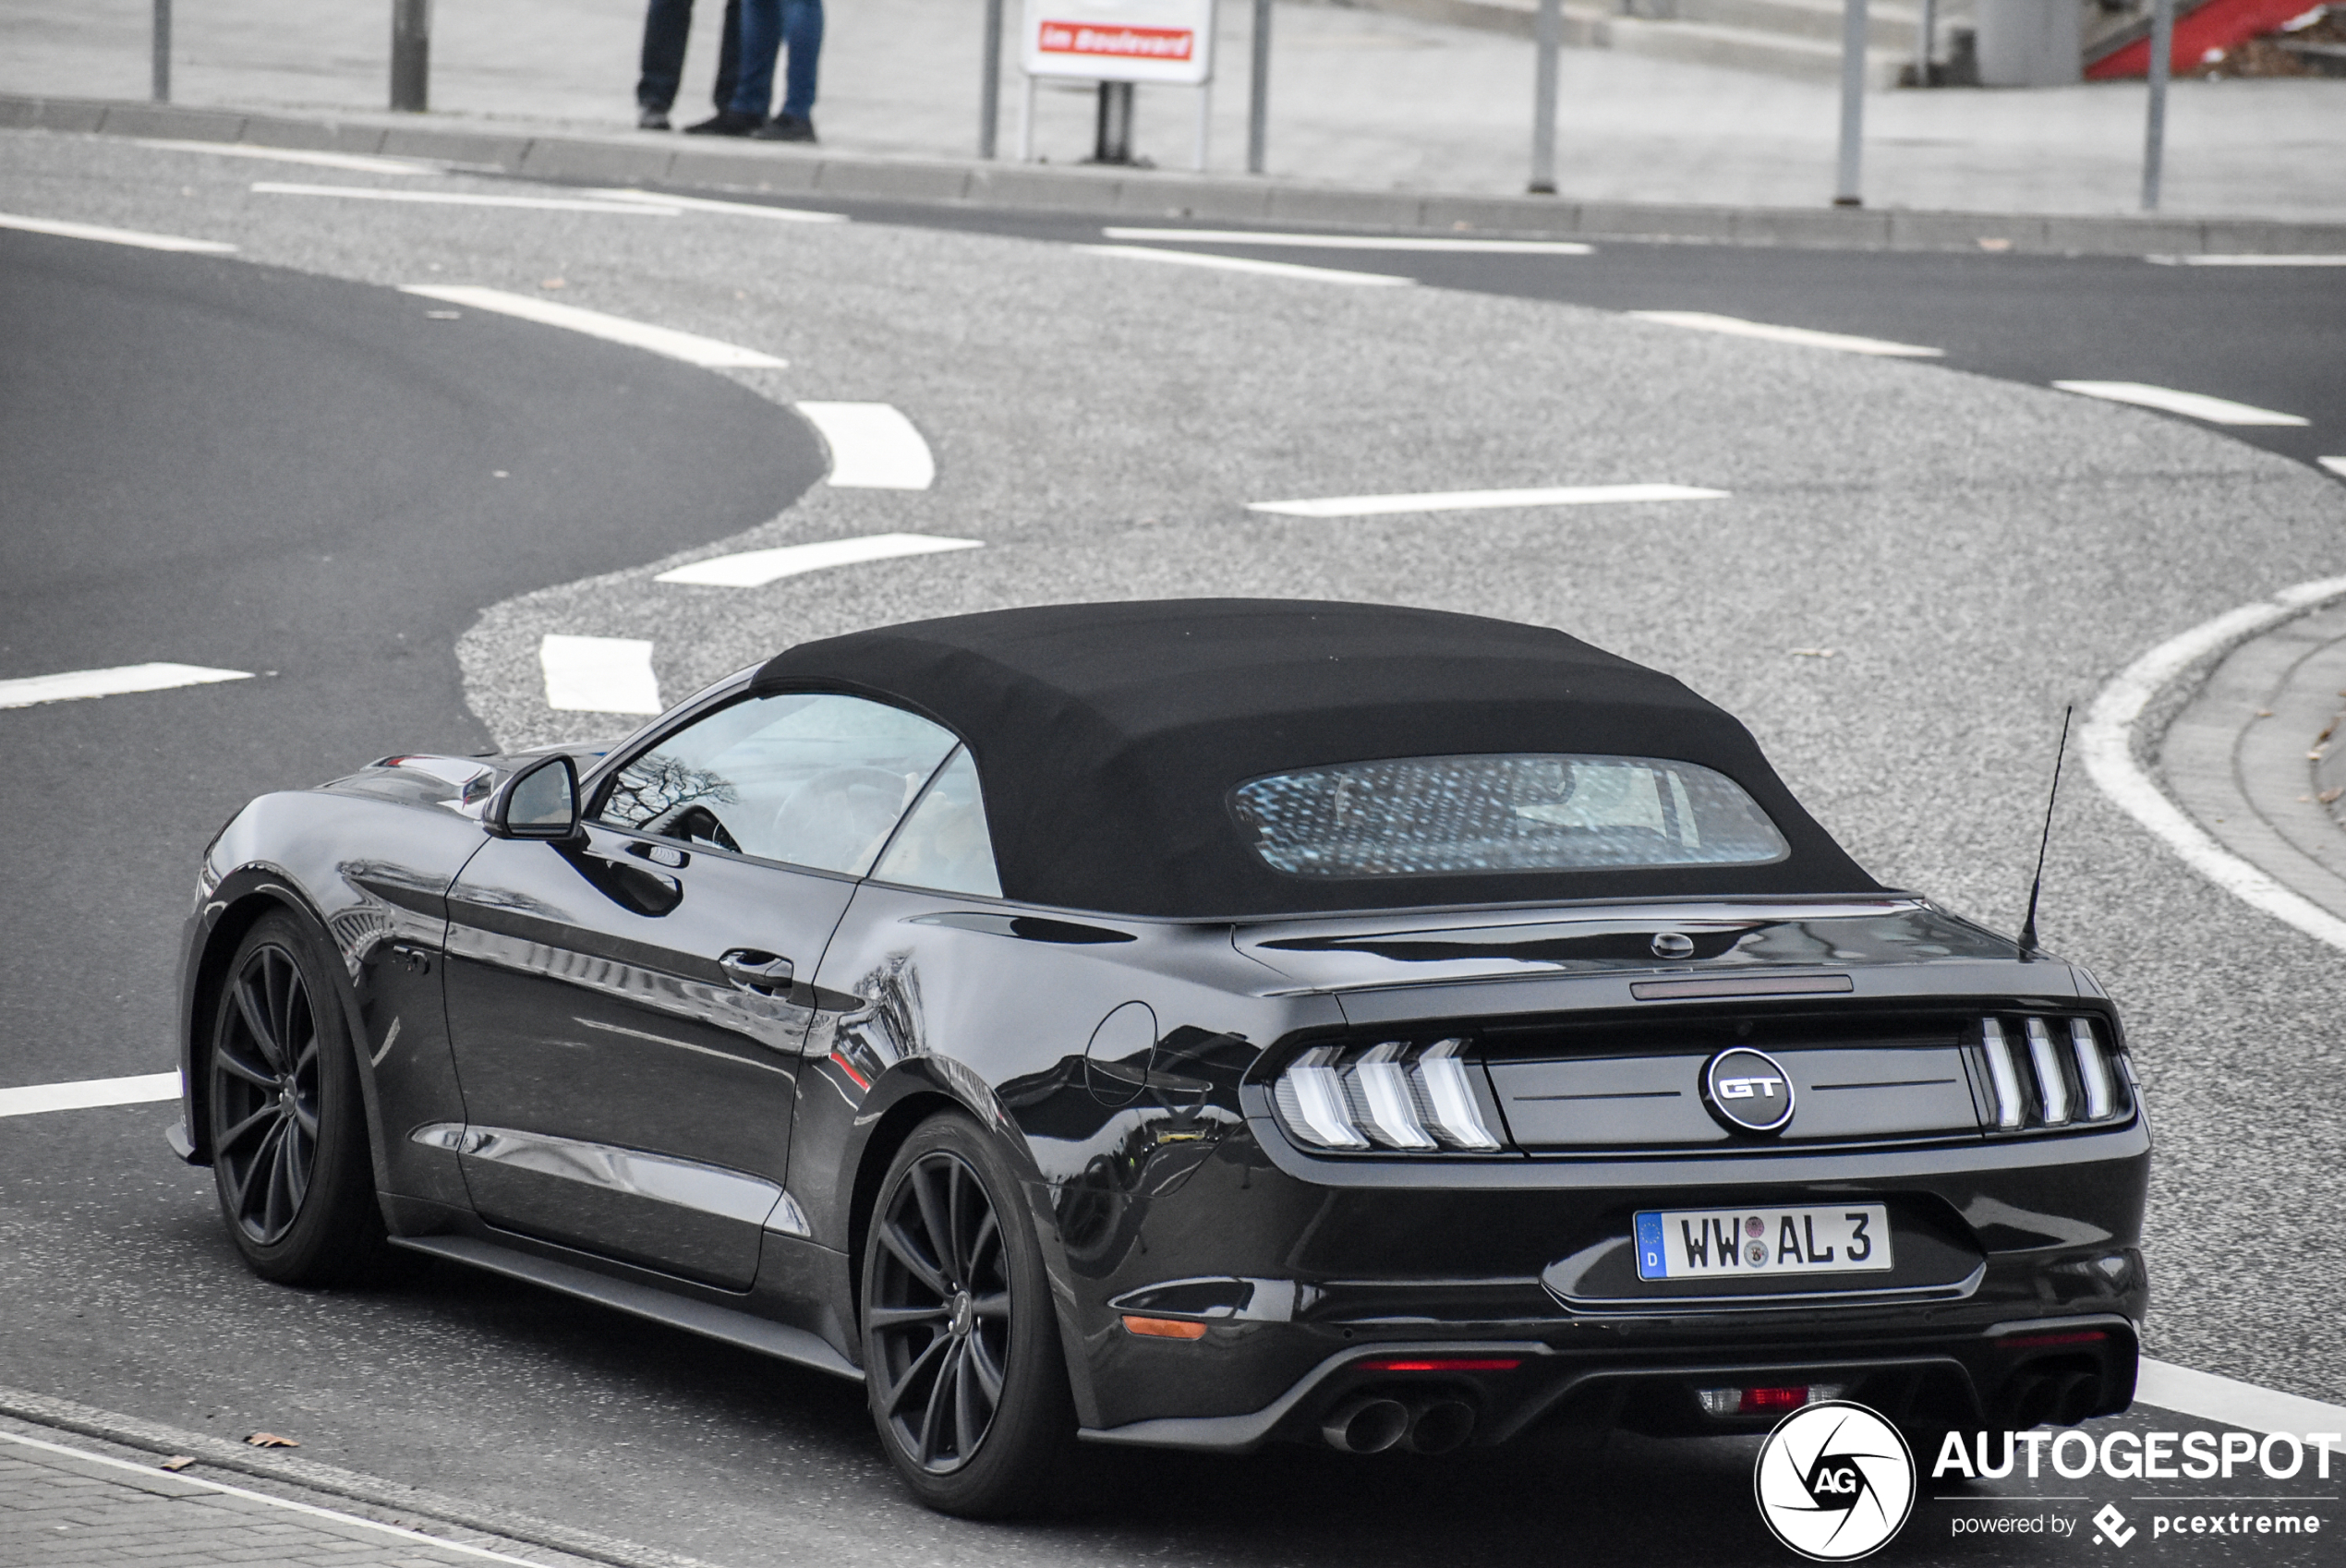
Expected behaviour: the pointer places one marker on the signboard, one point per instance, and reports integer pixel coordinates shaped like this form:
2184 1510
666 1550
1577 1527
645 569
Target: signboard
1120 39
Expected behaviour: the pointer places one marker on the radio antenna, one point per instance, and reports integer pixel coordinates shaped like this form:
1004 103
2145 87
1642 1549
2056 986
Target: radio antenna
2028 926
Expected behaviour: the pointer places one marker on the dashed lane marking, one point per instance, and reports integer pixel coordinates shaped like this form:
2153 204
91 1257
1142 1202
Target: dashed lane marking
706 204
873 446
692 349
74 684
355 162
1735 326
1246 264
2248 260
64 229
2107 743
2166 400
1361 242
2335 465
1475 501
140 1090
755 569
437 1543
466 198
2234 1404
599 674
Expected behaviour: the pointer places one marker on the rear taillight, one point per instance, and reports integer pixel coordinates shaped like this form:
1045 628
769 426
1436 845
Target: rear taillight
1399 1095
2058 1072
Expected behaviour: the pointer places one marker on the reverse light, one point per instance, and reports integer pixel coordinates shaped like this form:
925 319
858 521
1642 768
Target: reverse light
1392 1095
1767 1401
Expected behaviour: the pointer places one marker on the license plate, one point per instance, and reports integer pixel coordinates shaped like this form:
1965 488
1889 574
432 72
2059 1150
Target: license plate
1724 1244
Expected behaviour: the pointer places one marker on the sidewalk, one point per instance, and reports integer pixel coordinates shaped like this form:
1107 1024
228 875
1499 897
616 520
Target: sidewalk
81 1488
1359 98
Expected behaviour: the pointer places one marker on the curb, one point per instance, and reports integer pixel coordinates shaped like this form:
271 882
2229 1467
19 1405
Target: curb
1034 188
219 1454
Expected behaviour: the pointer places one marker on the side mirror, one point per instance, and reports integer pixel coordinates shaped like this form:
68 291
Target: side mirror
541 801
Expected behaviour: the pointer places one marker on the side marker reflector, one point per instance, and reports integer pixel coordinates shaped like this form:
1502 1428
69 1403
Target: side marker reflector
1439 1364
1164 1328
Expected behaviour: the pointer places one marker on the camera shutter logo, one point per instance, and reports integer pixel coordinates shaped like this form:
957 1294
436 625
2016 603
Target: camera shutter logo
1748 1090
1835 1482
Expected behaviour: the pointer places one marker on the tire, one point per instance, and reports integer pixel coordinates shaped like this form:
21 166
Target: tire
288 1129
962 1351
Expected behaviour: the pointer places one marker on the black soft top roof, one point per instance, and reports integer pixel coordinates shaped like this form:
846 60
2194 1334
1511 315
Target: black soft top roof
1108 738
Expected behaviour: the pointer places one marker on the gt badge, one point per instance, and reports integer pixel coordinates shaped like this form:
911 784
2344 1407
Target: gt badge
1747 1091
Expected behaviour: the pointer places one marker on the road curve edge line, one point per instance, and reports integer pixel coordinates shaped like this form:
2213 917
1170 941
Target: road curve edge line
2107 744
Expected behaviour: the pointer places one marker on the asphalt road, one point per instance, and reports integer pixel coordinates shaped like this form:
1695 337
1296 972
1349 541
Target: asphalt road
2270 337
252 468
1974 553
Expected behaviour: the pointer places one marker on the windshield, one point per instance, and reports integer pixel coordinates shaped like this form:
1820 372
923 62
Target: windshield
1419 817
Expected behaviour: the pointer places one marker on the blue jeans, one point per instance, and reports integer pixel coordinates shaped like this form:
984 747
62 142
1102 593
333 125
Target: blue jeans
768 26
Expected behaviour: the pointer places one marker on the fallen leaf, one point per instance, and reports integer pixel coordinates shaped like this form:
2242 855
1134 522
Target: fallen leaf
2264 713
269 1440
1812 652
178 1462
554 283
1986 243
2326 796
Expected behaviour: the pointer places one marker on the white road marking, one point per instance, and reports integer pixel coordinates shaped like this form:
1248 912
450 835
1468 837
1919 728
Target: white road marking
755 569
2199 405
440 1543
1246 264
873 446
2234 1404
141 1090
463 199
2335 465
1735 326
690 348
74 684
1362 242
2107 743
356 162
2245 259
1475 501
599 674
112 236
705 204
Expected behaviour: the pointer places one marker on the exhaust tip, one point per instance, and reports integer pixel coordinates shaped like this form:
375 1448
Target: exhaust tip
2074 1398
2028 1402
1369 1425
1439 1426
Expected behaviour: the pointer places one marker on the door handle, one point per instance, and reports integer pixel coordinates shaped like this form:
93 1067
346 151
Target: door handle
755 971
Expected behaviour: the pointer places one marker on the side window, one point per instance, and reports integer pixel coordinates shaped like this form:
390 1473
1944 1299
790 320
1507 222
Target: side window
944 844
811 779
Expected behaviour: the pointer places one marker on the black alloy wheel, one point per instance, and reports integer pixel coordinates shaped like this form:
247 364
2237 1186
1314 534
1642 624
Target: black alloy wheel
968 1382
264 1095
288 1131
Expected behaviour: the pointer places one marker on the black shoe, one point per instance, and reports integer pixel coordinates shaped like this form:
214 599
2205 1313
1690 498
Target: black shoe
785 128
725 122
649 118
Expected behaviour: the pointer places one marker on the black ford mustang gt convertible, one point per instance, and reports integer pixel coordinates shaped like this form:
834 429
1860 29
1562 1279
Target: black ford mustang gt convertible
1196 1024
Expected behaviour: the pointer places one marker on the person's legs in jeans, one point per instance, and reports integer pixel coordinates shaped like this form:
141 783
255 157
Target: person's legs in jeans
665 25
761 39
803 32
729 54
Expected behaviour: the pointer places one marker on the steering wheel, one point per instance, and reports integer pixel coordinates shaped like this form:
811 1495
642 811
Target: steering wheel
696 823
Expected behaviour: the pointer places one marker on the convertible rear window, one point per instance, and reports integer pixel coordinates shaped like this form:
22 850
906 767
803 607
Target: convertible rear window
1420 816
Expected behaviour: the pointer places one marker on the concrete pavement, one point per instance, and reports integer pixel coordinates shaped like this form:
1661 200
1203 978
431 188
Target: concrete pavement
1360 99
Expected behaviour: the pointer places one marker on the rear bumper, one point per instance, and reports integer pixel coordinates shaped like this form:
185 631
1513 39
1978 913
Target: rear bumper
2013 1373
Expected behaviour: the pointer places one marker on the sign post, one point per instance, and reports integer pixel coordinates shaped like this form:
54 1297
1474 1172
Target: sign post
1117 43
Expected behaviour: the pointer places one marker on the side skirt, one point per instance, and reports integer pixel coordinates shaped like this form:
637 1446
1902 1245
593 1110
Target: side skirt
761 1335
